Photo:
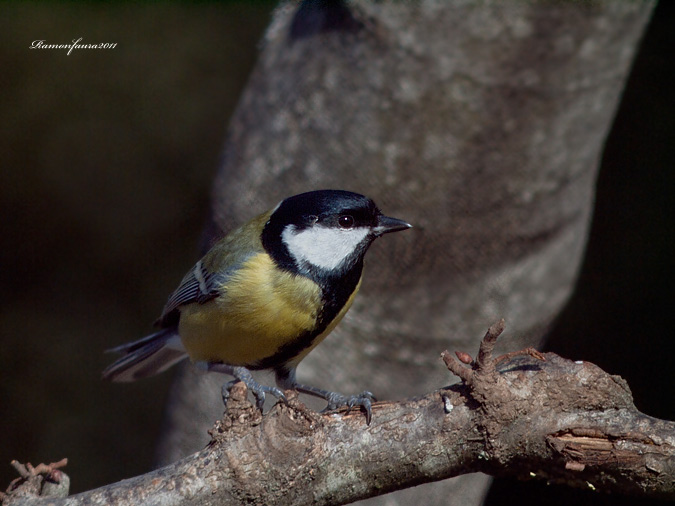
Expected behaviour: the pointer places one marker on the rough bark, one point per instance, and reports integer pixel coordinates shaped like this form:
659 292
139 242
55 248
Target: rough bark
525 414
481 123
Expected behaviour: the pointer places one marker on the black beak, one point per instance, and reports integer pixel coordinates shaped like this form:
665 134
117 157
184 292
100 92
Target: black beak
385 224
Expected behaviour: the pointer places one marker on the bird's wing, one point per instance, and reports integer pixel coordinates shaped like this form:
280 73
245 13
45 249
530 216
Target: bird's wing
204 281
198 285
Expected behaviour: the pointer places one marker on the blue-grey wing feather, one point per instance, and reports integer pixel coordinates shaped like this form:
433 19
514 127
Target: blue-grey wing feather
198 286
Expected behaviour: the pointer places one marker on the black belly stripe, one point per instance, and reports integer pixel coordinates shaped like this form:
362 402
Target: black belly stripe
336 291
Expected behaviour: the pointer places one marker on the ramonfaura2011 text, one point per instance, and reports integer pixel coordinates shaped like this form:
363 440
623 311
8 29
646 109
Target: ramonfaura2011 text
75 44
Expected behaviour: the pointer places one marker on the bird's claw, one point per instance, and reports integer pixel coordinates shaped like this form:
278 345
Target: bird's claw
225 390
259 392
364 400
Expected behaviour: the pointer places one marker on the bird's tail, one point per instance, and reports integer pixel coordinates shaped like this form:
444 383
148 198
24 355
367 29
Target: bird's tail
148 356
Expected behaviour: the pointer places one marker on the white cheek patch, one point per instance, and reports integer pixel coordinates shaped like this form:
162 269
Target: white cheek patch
323 247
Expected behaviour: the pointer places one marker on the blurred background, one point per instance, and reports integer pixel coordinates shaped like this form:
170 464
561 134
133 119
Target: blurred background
106 164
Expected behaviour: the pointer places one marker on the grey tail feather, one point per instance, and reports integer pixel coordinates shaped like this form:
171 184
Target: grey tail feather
148 356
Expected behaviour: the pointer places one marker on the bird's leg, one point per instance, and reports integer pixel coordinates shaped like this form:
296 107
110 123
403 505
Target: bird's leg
244 375
286 380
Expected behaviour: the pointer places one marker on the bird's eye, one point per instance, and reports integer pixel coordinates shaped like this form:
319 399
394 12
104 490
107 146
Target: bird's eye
346 221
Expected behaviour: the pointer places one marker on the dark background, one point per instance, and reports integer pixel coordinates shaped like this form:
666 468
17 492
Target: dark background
106 160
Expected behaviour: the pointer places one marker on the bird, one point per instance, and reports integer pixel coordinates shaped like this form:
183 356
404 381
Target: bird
265 295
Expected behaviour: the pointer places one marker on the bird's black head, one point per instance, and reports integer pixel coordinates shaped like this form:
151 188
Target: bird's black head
325 233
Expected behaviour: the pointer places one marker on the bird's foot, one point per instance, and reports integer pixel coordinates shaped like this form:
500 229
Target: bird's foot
336 400
259 392
364 400
244 375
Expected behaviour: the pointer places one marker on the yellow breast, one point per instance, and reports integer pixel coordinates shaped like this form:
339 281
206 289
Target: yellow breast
260 310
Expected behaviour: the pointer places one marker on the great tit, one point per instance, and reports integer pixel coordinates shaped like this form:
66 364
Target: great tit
265 295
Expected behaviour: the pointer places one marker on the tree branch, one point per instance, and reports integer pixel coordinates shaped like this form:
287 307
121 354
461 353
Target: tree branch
525 414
